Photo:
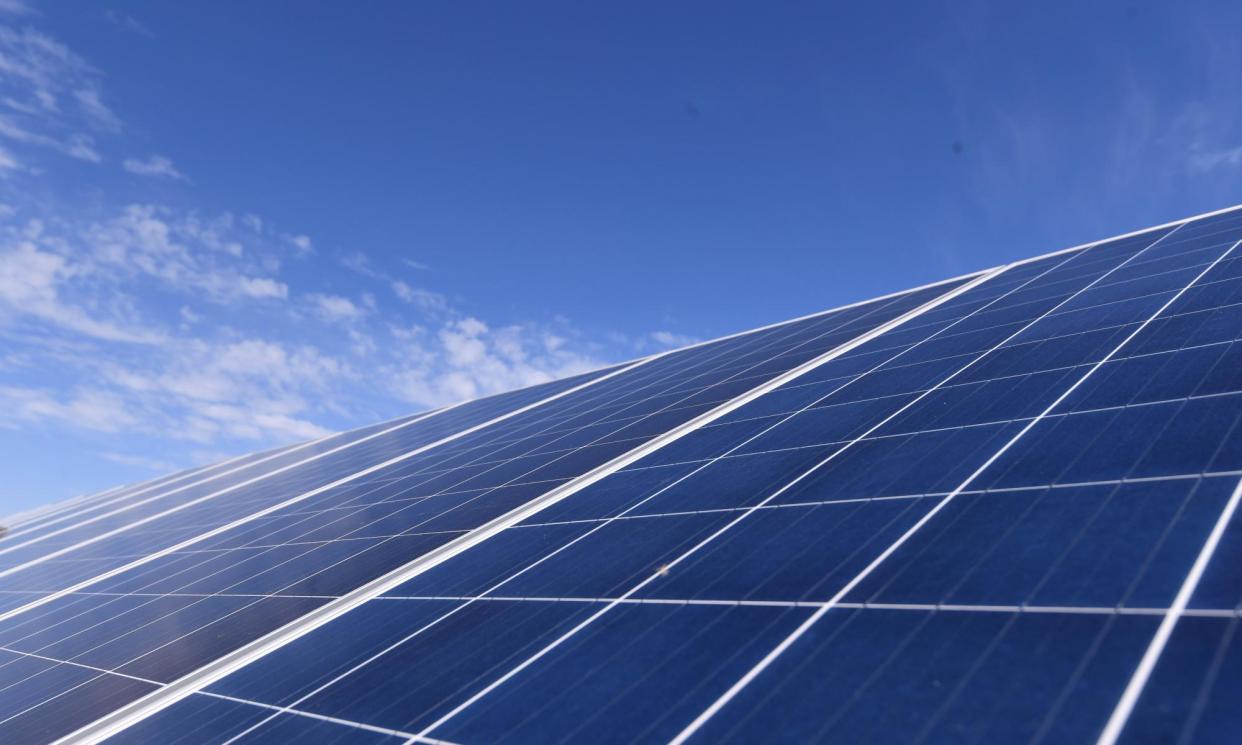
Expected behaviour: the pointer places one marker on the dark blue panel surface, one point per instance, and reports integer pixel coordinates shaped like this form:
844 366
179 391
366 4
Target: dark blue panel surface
966 529
959 677
207 719
170 614
1194 692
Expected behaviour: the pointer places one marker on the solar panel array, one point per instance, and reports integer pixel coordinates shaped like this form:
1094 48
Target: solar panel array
998 508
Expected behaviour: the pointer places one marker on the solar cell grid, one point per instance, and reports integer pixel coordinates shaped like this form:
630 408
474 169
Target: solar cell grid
266 574
750 564
294 469
125 507
229 504
268 486
1007 502
36 523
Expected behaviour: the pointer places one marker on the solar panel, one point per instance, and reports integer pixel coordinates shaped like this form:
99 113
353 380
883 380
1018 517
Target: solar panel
998 508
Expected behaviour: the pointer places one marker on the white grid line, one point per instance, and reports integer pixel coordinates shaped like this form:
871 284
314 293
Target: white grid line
1104 610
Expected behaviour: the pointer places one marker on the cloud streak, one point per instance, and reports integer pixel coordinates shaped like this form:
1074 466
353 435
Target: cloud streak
50 98
154 165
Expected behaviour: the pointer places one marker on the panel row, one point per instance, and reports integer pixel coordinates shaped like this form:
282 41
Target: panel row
984 518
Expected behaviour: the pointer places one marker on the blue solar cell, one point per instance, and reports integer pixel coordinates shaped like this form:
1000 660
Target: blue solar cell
651 667
961 677
197 718
966 528
315 557
201 718
1193 695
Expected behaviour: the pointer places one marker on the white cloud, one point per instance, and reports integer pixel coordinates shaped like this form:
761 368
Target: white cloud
206 392
216 256
302 243
669 339
82 147
7 161
154 165
151 464
356 261
425 299
334 308
15 7
87 408
261 287
76 145
466 358
126 22
31 282
89 99
51 98
1211 160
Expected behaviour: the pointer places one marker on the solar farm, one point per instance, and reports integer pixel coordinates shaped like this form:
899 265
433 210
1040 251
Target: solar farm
998 508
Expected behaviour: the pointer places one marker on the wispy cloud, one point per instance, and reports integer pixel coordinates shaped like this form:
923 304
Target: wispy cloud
15 7
334 308
87 408
1211 160
33 284
262 287
7 161
466 358
154 165
50 98
427 300
302 243
77 145
126 22
92 105
669 339
141 461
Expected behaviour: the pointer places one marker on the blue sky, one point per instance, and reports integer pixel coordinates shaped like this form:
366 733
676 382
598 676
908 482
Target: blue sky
225 226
